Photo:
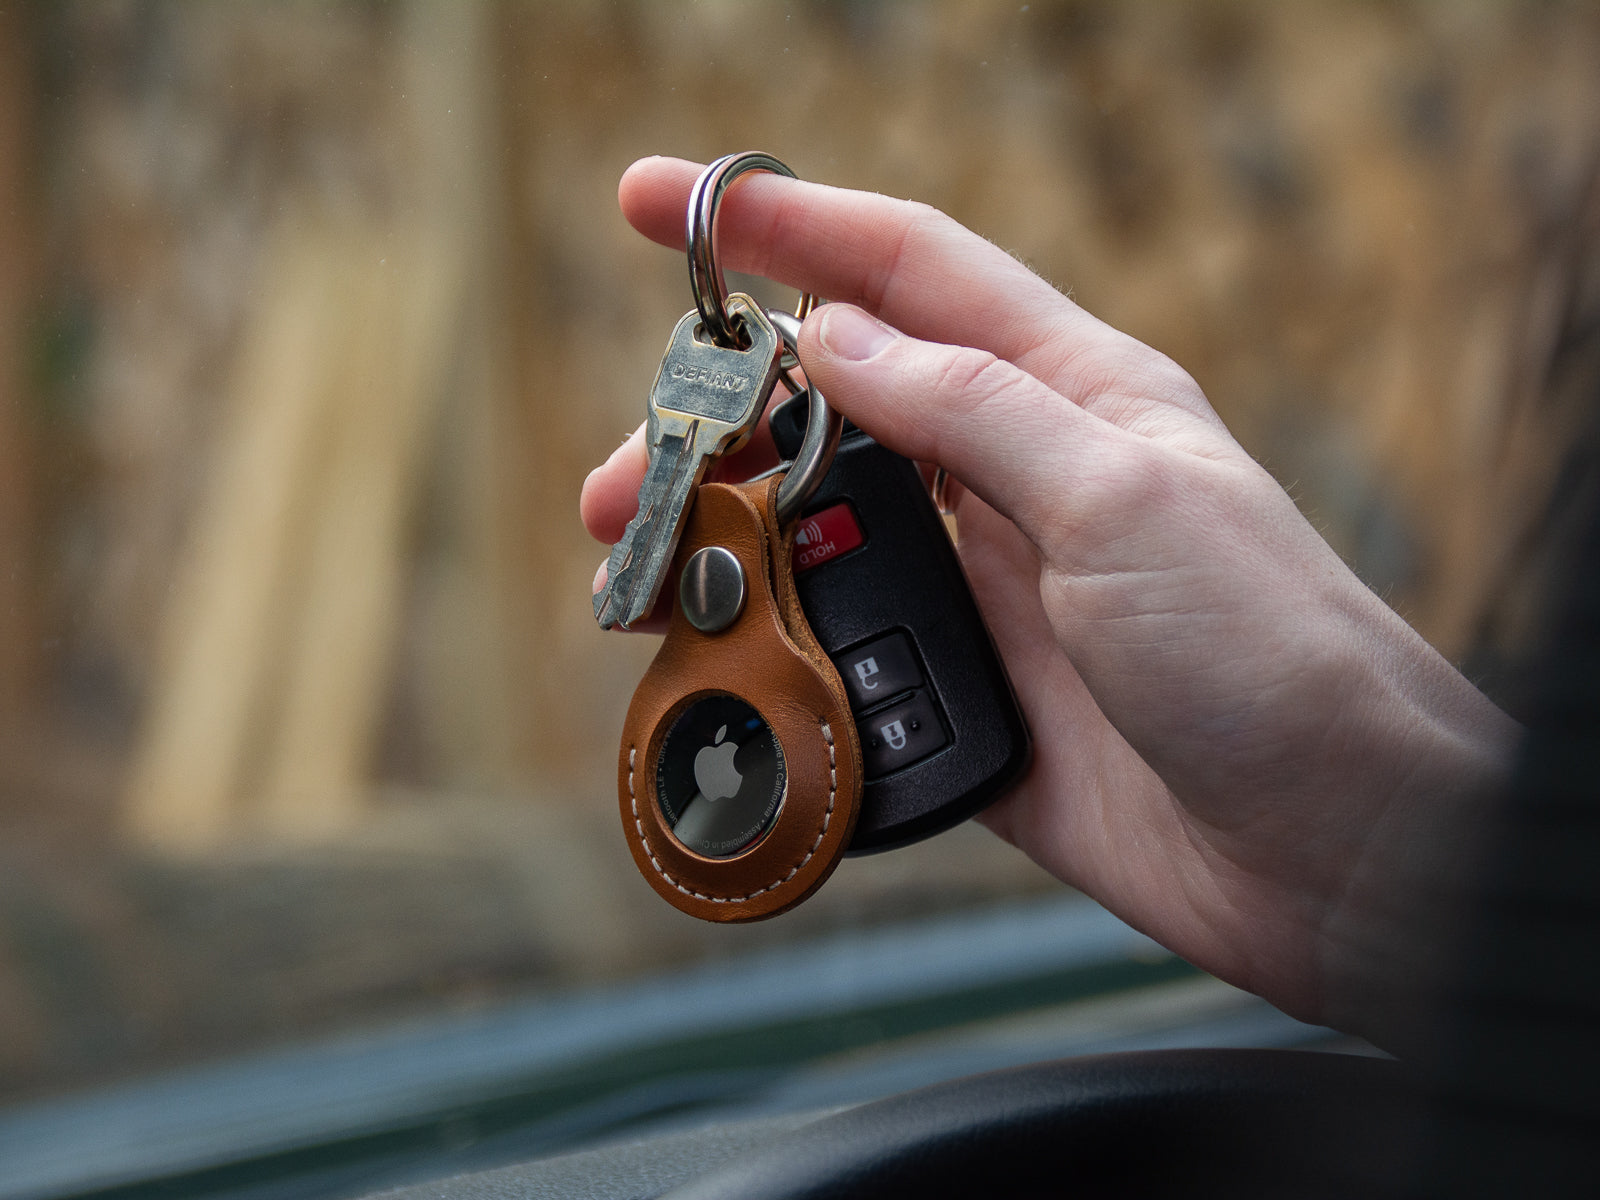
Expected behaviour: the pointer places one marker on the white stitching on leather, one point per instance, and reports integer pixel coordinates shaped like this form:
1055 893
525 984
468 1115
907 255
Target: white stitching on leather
827 818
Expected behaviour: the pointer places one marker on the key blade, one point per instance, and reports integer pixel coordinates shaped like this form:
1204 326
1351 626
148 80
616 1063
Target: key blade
638 564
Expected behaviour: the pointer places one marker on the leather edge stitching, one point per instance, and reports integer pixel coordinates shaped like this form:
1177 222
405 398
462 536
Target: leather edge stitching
827 818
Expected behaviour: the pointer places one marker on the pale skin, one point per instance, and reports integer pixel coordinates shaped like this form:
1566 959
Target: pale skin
1238 748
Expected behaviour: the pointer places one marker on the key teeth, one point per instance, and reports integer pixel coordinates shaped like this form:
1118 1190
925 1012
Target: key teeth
618 584
603 602
632 614
607 618
606 606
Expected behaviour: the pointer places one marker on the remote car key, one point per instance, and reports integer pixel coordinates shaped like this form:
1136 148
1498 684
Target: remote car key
879 580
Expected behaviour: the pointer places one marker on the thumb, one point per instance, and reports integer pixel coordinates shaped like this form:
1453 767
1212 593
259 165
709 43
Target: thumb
1022 447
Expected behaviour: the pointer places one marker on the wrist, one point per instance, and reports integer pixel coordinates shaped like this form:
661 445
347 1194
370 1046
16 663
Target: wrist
1388 939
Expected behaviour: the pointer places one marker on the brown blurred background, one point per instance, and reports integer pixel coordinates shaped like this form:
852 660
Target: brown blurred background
313 318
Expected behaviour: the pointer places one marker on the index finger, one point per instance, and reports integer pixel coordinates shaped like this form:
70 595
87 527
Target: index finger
908 263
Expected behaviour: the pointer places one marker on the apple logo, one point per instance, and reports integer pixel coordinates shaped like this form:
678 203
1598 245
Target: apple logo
714 772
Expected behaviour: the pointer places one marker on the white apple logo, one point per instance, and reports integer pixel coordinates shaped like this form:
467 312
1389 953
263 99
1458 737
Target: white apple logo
714 772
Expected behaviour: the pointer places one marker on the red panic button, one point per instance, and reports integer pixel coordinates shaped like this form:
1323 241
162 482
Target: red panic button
825 535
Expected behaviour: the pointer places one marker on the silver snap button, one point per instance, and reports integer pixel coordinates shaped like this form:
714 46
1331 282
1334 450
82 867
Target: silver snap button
712 589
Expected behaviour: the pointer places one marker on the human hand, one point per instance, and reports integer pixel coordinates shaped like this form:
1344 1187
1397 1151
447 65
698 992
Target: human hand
1239 749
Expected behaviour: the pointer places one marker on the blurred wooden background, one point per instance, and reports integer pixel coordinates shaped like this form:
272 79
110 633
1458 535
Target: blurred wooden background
312 320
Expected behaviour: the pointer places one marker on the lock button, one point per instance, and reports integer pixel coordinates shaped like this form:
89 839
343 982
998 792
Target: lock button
878 670
900 735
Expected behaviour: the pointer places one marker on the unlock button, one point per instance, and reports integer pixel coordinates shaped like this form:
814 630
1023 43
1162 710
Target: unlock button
877 670
899 735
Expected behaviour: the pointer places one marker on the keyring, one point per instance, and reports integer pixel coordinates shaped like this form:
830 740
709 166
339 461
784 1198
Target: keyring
705 274
824 425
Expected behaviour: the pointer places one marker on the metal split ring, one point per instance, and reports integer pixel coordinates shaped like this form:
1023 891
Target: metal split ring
823 428
823 425
705 274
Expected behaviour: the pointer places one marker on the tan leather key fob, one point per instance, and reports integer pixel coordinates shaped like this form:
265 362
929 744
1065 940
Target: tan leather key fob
739 776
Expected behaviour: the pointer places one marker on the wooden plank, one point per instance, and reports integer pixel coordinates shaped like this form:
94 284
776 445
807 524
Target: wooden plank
399 296
219 637
463 652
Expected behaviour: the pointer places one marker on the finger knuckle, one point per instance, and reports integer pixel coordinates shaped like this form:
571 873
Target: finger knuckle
962 372
925 218
976 388
1130 486
913 226
1166 379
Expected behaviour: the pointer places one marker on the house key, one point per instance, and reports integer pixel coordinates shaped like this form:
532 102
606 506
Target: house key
705 402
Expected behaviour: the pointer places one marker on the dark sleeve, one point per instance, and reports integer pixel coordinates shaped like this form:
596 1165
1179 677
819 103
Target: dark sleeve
1517 1070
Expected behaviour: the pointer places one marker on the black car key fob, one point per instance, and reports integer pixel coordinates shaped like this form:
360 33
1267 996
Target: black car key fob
941 732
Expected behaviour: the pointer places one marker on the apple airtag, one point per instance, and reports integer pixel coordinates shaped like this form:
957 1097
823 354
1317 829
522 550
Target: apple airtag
720 776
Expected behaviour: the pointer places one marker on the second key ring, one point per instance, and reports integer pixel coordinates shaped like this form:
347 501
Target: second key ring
824 425
705 274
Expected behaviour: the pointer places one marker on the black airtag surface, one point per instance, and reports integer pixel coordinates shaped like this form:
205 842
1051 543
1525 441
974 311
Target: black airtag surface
720 777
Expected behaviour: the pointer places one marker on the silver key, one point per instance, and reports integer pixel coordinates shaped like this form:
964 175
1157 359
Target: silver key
705 402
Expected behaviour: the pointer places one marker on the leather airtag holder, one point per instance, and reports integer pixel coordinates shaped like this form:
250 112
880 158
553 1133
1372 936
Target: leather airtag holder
769 660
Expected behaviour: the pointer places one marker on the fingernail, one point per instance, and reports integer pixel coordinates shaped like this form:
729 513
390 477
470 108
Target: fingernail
849 333
599 578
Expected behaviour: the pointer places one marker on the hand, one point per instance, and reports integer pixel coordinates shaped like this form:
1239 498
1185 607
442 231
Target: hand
1238 748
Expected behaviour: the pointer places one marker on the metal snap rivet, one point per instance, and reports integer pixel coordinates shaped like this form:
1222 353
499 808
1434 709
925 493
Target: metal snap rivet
712 589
